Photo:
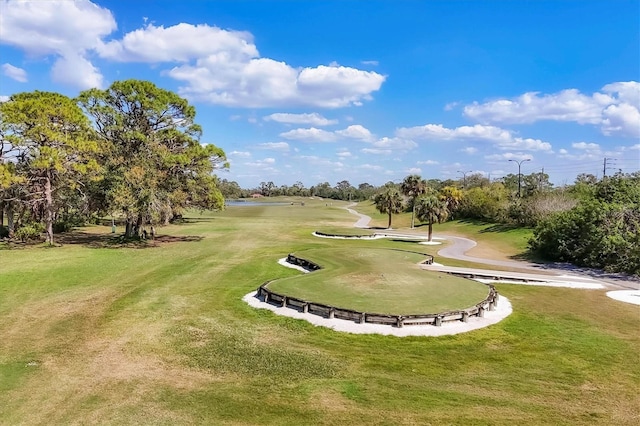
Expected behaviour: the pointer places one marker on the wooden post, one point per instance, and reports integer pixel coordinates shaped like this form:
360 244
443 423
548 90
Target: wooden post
362 318
465 316
399 322
305 308
284 301
438 321
481 312
331 313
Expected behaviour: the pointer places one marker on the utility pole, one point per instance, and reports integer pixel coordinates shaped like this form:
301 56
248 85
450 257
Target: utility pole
464 178
604 166
540 180
520 175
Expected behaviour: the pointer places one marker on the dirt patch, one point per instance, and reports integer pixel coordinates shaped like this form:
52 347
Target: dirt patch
329 400
111 360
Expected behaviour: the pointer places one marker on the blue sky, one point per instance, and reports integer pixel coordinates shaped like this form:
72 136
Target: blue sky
317 91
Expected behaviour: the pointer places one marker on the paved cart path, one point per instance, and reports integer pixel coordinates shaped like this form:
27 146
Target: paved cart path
561 272
562 276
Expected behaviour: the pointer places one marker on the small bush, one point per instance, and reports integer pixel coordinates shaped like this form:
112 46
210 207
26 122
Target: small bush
29 231
4 232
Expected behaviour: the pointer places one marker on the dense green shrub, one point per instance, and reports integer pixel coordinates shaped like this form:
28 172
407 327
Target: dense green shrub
29 231
601 232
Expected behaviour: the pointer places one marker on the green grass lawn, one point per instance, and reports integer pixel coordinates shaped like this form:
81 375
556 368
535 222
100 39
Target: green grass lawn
381 281
92 333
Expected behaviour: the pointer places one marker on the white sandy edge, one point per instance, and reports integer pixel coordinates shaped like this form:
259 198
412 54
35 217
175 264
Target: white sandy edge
355 237
566 284
502 311
628 296
284 262
376 236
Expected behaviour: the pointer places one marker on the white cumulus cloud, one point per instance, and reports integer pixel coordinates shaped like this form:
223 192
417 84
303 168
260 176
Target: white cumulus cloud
313 119
218 66
356 131
519 156
75 70
264 163
502 138
622 119
309 135
180 43
314 134
15 73
264 82
66 30
469 150
395 144
615 109
586 146
376 151
372 167
275 146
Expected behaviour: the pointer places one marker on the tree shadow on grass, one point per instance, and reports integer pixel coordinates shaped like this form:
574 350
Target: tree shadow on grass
92 240
500 227
531 257
181 221
189 220
490 226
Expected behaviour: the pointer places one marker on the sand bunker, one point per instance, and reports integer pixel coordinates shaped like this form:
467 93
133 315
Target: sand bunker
502 311
628 296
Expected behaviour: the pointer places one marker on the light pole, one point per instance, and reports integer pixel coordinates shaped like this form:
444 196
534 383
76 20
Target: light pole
519 175
464 178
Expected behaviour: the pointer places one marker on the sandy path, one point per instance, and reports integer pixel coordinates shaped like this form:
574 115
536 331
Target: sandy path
363 220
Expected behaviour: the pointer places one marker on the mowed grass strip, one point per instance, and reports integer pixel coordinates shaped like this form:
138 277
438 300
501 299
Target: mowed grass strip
382 281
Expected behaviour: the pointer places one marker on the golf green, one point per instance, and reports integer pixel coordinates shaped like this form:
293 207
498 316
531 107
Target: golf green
379 280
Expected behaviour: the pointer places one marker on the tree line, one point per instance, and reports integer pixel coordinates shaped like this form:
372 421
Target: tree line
592 222
132 150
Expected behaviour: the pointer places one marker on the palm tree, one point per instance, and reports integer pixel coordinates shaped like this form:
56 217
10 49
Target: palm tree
431 209
389 201
413 186
451 197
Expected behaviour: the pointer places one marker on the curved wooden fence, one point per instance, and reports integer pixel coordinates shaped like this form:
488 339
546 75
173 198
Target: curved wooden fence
327 311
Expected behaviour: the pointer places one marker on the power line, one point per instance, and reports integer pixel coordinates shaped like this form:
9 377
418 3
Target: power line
605 163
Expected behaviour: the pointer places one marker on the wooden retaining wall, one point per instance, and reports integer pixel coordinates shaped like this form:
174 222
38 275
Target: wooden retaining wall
327 311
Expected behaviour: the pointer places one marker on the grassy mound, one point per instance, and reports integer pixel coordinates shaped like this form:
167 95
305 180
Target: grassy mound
379 280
